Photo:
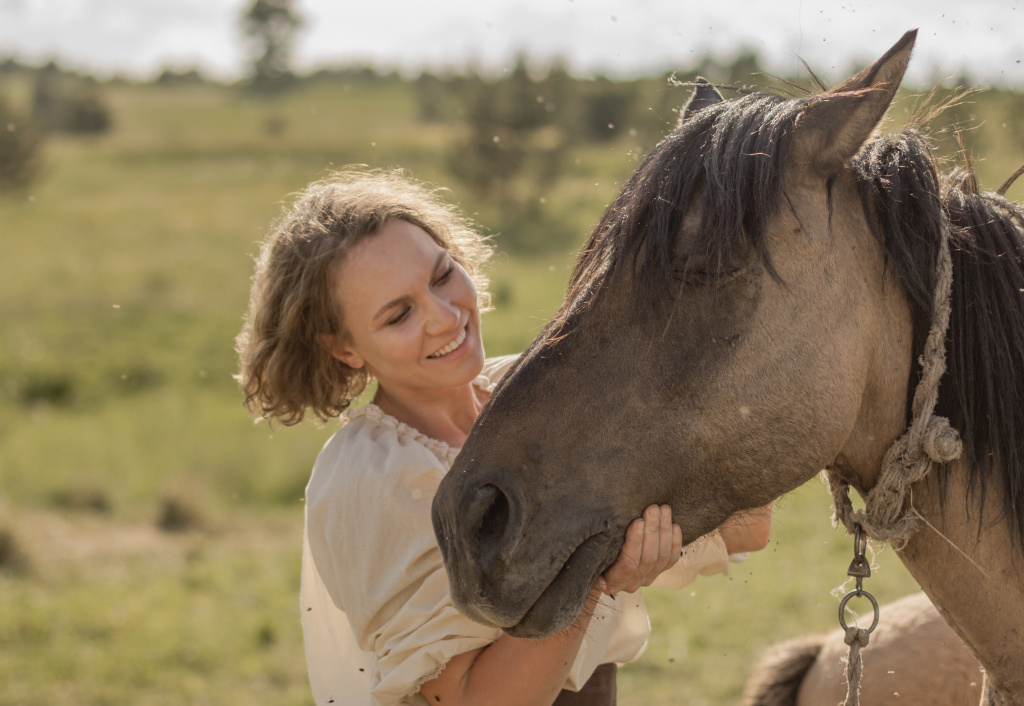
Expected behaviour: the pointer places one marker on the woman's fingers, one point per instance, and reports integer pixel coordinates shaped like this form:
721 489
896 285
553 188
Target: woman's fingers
677 546
652 544
652 560
664 543
619 575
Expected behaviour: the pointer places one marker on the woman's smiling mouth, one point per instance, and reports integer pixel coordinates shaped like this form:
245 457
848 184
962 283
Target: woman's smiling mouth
451 346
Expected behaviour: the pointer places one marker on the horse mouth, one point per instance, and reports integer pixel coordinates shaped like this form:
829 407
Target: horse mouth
565 597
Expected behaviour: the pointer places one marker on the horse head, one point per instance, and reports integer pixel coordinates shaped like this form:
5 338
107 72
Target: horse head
730 329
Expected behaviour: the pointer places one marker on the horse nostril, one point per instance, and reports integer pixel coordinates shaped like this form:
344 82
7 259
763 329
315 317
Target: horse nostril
494 518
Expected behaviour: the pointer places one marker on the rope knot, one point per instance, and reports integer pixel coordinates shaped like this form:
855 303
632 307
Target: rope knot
856 637
940 441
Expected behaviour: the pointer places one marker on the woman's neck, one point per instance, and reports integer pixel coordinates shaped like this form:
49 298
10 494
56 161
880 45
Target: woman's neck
445 415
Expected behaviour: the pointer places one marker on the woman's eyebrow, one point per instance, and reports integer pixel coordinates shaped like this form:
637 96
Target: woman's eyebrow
398 300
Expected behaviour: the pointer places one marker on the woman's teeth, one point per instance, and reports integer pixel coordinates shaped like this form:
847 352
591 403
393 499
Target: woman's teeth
450 347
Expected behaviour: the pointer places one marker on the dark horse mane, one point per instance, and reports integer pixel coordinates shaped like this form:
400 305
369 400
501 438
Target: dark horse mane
728 160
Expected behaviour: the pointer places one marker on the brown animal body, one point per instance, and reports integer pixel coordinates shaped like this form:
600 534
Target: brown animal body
747 312
913 657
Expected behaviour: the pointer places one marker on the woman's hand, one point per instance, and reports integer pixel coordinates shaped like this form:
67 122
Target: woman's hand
652 545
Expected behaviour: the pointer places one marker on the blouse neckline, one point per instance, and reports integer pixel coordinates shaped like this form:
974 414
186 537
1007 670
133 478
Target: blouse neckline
444 451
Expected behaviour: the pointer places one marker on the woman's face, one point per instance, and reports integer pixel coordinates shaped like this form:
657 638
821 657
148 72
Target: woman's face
410 312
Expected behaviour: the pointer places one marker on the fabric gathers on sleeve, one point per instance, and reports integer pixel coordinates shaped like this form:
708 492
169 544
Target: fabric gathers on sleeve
705 556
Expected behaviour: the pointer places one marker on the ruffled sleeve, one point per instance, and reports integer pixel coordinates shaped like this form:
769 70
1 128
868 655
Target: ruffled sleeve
704 556
372 546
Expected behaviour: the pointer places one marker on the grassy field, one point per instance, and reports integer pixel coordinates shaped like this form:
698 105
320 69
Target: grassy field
149 531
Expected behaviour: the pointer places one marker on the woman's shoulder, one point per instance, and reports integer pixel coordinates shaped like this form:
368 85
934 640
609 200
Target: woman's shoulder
494 370
371 439
375 453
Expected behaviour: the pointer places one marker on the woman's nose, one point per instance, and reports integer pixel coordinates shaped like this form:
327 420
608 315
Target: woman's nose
444 316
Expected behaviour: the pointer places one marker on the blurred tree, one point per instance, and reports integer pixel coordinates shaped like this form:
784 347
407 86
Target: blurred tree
170 76
513 150
270 28
431 96
745 69
19 149
66 102
608 106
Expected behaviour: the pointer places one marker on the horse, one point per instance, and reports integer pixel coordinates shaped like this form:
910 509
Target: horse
913 657
748 311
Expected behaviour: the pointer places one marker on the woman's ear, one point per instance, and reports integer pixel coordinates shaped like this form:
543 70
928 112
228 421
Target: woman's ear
340 350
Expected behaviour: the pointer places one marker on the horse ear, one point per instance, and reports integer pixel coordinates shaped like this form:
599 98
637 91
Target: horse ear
704 95
834 125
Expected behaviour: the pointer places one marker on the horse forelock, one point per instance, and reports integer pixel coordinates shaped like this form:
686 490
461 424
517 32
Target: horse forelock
727 160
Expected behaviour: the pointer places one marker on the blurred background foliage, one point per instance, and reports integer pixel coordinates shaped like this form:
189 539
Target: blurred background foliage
149 532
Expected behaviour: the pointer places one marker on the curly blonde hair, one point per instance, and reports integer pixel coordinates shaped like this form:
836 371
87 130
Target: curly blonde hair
283 367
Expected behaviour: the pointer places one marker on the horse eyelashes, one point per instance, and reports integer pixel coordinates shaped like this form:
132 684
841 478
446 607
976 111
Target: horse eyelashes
703 277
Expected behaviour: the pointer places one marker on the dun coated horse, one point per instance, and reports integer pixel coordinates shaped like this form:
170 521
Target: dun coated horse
913 657
748 311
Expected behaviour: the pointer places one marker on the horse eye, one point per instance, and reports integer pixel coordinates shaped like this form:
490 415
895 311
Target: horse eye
702 276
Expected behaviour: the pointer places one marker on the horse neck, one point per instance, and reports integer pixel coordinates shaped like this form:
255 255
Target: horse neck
975 577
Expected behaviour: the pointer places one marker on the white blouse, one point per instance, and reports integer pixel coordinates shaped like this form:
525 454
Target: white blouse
377 617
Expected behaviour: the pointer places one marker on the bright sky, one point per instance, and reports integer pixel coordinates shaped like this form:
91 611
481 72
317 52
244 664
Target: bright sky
982 38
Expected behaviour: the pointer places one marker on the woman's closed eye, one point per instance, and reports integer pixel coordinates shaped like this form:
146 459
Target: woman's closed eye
398 316
401 313
444 276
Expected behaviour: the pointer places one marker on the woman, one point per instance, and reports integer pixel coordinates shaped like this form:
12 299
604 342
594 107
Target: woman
371 276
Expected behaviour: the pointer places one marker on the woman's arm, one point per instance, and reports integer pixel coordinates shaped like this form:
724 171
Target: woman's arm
747 531
521 672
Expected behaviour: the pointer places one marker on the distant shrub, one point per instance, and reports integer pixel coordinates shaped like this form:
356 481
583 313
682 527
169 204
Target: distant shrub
275 125
608 106
266 636
20 149
182 512
13 557
56 389
512 150
169 77
84 497
67 103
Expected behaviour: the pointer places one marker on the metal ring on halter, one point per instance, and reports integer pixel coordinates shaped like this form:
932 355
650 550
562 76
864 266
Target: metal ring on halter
846 599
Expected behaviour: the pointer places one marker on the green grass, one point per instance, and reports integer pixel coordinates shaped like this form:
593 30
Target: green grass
126 277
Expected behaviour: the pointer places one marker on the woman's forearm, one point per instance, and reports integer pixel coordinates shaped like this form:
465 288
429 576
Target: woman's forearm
512 671
521 672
